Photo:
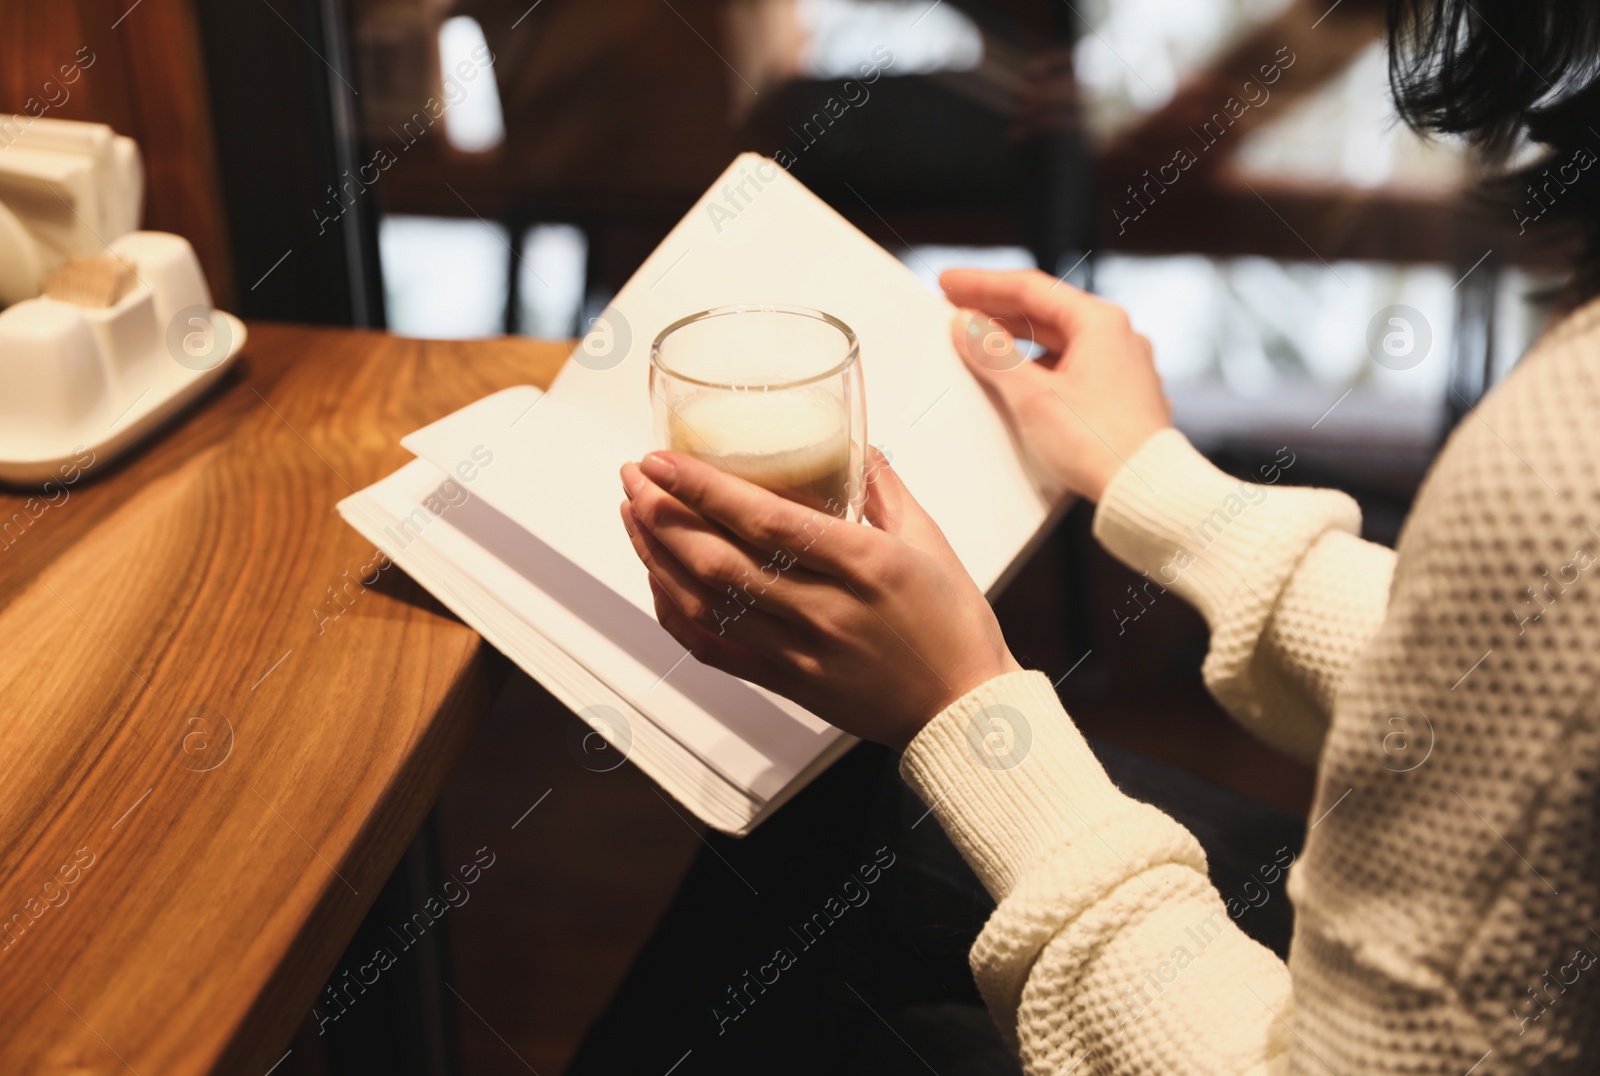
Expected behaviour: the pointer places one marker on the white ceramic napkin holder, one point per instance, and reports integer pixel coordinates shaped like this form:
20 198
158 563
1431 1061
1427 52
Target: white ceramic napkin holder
80 382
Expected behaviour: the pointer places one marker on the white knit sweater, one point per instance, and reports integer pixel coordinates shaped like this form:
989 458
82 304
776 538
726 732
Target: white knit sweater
1448 895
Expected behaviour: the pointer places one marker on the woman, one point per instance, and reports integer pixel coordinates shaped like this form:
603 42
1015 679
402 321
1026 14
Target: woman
1447 900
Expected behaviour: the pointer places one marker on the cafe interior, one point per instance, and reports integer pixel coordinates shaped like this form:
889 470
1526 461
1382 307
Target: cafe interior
323 742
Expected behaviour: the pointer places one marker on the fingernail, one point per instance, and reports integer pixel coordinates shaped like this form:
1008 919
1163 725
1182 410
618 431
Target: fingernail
658 468
629 482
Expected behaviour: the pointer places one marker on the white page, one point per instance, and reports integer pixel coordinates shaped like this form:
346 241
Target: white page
754 739
555 470
711 797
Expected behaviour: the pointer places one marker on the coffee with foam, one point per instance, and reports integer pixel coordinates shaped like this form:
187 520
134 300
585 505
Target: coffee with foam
795 442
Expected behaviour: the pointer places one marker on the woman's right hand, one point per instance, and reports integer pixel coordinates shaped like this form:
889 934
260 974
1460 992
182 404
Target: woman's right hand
1084 407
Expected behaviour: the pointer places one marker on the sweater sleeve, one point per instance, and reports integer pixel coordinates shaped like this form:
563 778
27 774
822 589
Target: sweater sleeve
1290 593
1109 948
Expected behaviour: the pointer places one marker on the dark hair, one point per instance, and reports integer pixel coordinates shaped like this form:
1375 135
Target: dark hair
1495 70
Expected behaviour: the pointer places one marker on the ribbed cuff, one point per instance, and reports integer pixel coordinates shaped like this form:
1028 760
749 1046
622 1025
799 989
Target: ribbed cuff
1200 533
1009 777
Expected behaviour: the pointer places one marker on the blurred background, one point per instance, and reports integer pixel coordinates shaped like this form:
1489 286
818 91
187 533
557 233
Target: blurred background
1325 294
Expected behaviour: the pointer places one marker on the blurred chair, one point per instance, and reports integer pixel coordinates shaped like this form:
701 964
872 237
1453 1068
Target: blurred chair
994 155
617 118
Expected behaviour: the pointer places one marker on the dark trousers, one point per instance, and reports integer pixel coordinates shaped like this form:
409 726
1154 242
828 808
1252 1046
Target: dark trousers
834 939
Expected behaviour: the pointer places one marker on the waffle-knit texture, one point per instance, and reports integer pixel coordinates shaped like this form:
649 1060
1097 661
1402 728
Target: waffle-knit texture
1448 896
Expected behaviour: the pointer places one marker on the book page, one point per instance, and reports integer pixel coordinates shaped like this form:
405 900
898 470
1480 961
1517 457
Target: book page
752 739
758 236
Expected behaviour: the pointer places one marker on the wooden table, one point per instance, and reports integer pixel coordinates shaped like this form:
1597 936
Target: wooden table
215 742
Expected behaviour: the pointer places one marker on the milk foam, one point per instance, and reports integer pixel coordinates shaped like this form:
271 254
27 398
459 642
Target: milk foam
795 442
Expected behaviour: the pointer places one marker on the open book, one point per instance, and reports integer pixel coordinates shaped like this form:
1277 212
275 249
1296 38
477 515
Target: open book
509 513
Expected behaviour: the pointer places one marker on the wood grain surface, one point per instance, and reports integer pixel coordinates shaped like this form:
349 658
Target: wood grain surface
215 742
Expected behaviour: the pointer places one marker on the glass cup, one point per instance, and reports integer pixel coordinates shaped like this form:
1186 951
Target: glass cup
770 393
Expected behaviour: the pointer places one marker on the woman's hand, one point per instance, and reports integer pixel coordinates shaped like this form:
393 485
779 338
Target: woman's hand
1082 409
874 629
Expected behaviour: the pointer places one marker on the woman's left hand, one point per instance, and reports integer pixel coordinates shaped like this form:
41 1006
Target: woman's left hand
874 629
